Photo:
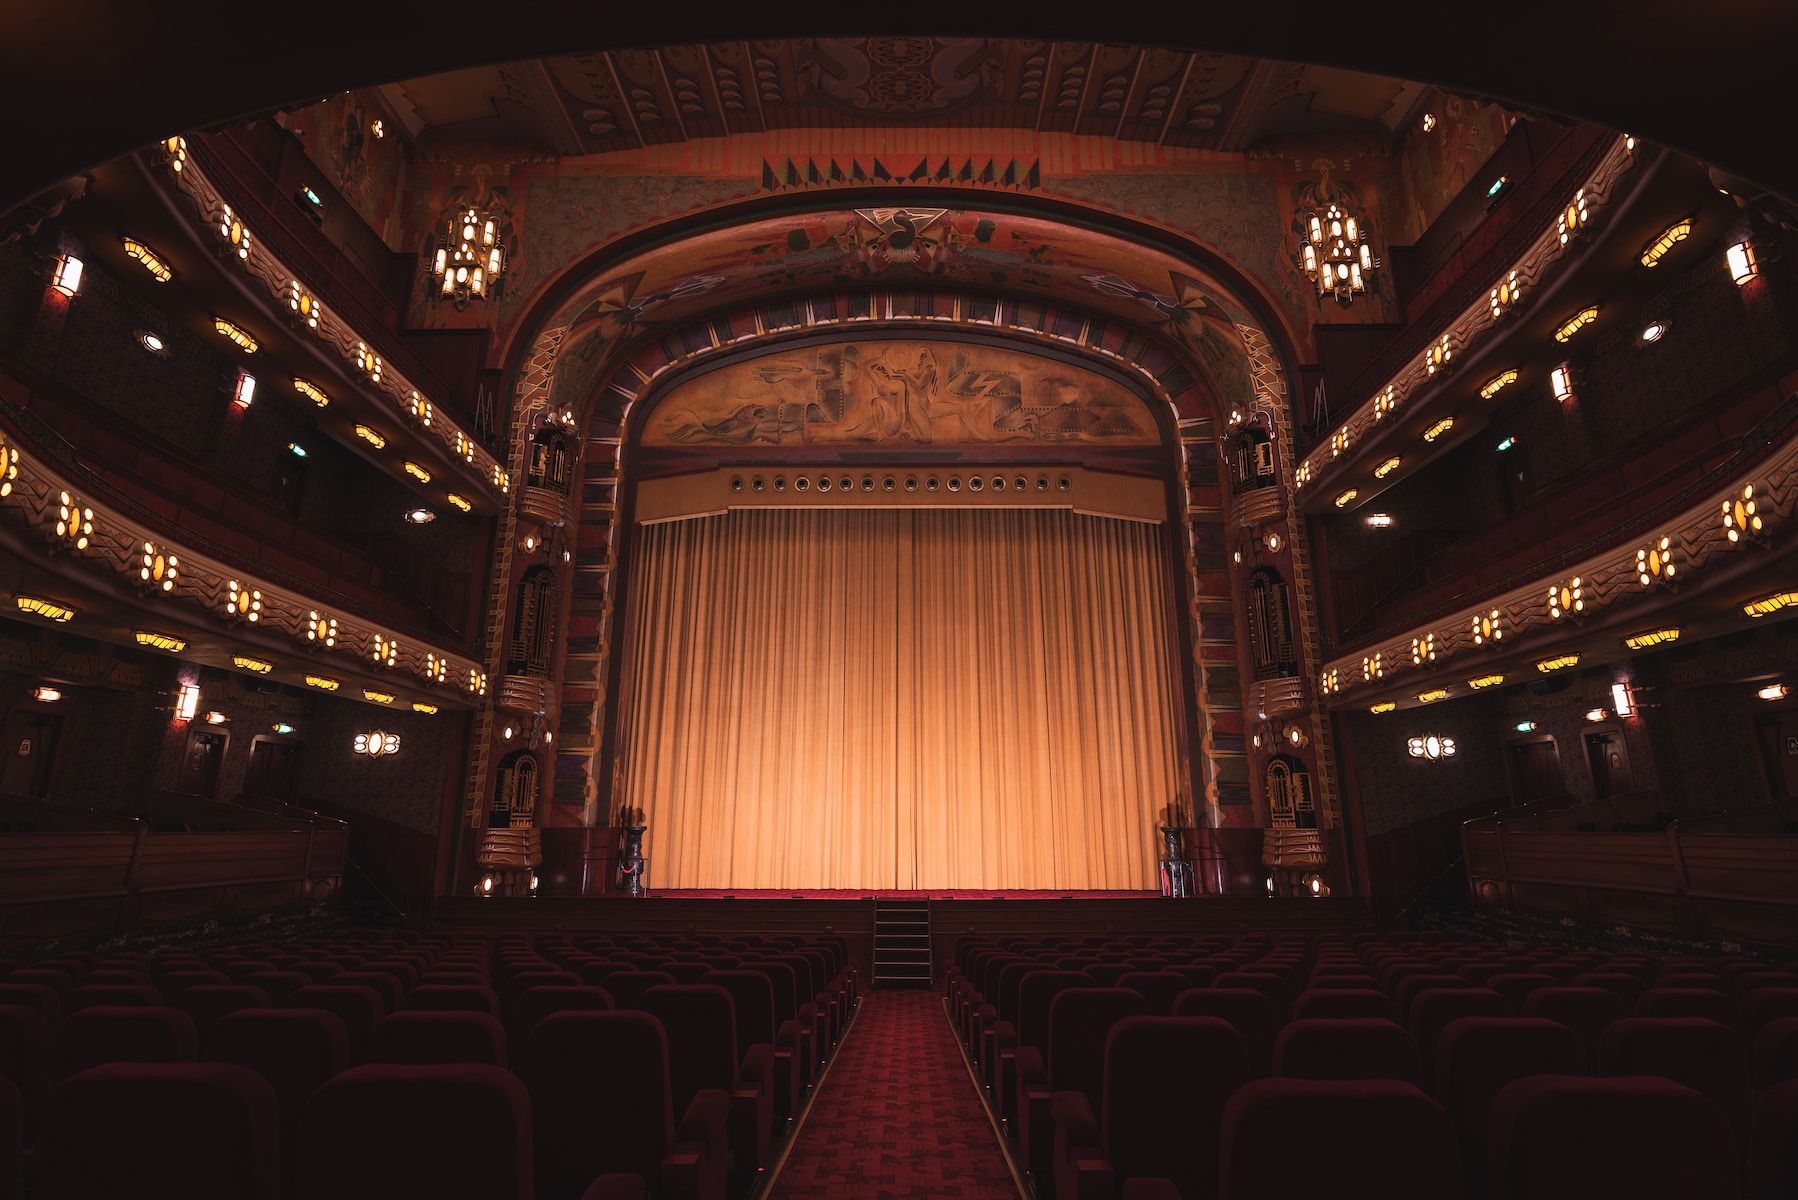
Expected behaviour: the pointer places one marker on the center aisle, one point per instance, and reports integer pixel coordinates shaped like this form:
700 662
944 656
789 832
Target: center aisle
897 1117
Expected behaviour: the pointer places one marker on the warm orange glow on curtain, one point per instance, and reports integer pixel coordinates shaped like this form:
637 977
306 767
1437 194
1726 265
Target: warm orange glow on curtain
900 699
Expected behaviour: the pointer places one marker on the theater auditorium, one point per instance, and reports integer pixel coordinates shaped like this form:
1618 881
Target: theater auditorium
767 604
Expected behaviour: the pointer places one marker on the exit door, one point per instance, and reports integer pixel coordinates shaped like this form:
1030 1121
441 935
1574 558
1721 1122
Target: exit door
1609 758
201 764
274 769
29 743
1536 770
1779 751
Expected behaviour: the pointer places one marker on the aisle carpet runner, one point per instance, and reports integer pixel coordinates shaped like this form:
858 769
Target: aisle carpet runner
898 1117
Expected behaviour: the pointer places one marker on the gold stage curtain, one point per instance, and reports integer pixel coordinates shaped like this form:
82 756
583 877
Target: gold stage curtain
912 698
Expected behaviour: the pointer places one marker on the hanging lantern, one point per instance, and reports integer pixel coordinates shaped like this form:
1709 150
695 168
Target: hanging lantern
1336 254
470 259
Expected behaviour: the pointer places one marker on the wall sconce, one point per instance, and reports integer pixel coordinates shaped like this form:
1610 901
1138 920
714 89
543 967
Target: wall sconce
151 342
1423 650
236 336
371 437
420 516
383 651
1505 295
419 706
1314 883
1670 237
187 701
1622 699
242 603
436 668
159 641
1596 714
417 472
459 502
311 392
1506 444
1384 706
1557 663
232 233
1437 356
1438 429
1429 122
1432 747
368 362
1296 737
1654 331
1770 604
216 718
1497 384
421 410
149 260
1386 468
1576 322
1655 563
486 885
1487 627
67 276
1525 727
39 607
46 695
1742 264
1347 498
74 521
1774 691
1653 637
1274 543
1385 402
375 744
1572 220
1560 380
323 683
1566 600
321 628
1433 695
302 304
1379 520
1485 681
254 665
244 391
297 450
282 728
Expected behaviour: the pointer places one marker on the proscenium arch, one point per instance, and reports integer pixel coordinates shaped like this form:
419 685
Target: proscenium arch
1162 461
1584 63
1222 741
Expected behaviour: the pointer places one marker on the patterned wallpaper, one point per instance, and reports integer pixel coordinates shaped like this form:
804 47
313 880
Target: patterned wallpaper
409 788
1398 790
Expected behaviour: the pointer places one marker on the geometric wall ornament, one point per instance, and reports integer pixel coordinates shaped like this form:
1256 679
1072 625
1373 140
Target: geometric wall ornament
242 603
1654 564
1423 649
158 571
1742 517
1566 599
1431 747
1487 627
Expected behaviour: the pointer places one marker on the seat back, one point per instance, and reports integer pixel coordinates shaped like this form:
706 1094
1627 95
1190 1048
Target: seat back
530 1006
104 1035
1773 1144
451 997
25 1059
1036 993
1158 988
1776 1053
582 1127
1340 1004
1705 1055
1373 1139
1710 1003
752 996
379 1131
1250 1011
1585 1010
1167 1080
1477 1056
294 1049
1560 1137
1080 1019
701 1021
200 1131
426 1037
626 986
1352 1048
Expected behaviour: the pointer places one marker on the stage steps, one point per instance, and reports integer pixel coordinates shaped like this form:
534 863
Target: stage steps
902 943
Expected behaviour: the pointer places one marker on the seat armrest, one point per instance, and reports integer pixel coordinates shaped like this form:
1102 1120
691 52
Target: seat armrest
758 1066
705 1119
1075 1124
1083 1171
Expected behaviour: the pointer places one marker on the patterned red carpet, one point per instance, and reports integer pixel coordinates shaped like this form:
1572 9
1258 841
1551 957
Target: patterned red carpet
898 1118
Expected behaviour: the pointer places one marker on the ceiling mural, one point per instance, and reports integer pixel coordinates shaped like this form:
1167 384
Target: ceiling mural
898 393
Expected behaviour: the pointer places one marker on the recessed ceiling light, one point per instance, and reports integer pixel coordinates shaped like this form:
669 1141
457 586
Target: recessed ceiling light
419 516
153 342
1654 331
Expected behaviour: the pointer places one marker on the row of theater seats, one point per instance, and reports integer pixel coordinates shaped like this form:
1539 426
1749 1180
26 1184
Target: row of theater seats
600 1068
1393 1067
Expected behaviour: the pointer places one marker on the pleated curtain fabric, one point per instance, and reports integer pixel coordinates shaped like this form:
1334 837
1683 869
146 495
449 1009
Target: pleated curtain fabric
900 699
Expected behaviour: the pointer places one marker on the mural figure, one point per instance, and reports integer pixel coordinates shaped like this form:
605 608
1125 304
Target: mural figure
899 392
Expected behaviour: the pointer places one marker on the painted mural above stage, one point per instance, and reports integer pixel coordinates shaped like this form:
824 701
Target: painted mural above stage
899 392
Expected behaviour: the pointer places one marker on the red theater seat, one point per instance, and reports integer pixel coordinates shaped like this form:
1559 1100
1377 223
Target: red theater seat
1356 1048
358 1007
1688 1002
626 986
1344 1004
1585 1010
1478 1056
530 1006
1159 988
1762 1005
446 997
1555 1137
616 1187
437 1037
752 997
160 1131
207 1002
1250 1011
116 995
39 996
295 1049
1363 1140
1166 1082
107 1035
703 1055
1707 1056
12 1140
601 1102
1773 1144
1080 1020
1776 1053
377 1132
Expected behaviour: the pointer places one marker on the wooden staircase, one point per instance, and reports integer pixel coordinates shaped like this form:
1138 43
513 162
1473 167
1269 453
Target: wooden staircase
902 943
